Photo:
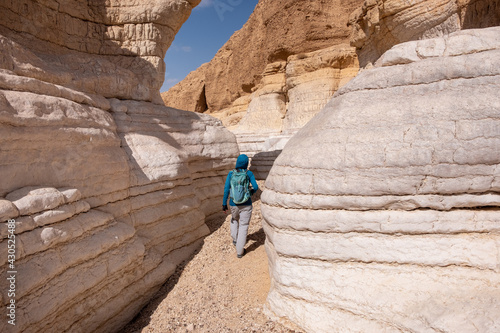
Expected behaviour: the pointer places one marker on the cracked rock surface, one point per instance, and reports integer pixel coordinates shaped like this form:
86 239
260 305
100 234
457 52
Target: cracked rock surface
382 213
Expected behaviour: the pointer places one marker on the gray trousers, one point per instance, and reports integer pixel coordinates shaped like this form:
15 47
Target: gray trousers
240 220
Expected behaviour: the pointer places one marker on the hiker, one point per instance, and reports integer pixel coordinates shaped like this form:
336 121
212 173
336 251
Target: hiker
239 190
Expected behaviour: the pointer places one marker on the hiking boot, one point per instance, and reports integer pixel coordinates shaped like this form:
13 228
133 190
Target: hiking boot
241 255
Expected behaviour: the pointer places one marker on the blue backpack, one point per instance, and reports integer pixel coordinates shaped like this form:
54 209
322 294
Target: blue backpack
240 191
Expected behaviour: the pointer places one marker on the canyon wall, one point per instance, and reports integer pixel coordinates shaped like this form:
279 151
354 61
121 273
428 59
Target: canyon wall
283 66
380 24
382 214
274 31
109 189
274 74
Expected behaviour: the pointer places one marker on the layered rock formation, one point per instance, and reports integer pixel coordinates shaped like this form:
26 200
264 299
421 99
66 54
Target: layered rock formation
290 94
109 188
380 24
382 213
274 74
274 31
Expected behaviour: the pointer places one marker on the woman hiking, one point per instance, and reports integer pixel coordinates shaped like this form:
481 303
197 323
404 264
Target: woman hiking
239 187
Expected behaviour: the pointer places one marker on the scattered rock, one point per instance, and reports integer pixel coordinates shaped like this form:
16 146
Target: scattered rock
30 200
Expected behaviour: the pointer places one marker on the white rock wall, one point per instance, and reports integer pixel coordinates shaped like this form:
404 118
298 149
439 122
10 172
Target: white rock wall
134 186
381 214
109 191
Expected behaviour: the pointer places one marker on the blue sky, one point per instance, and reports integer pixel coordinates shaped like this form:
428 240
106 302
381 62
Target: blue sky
210 25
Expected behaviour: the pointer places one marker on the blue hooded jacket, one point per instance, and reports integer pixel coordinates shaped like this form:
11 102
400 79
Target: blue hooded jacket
241 163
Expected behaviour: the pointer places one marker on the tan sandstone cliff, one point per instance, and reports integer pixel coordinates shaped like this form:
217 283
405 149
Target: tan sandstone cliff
109 189
274 31
274 74
382 213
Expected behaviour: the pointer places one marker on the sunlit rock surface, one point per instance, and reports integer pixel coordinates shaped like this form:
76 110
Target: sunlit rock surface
382 213
380 24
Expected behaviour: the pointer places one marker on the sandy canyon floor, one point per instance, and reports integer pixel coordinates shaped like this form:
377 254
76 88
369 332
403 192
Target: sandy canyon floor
214 291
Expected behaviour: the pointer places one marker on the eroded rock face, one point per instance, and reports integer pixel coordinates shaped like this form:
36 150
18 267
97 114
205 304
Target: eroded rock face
290 94
111 48
108 188
274 74
380 24
381 214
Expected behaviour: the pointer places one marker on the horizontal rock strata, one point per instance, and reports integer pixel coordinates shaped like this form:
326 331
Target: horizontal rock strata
109 190
120 40
382 213
145 180
290 94
380 24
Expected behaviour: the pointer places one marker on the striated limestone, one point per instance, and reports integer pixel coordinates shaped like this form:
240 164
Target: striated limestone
122 41
312 79
382 213
291 92
267 106
109 189
380 24
289 95
232 115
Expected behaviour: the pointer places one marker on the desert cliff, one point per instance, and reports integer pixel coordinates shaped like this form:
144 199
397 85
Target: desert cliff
274 74
376 124
289 59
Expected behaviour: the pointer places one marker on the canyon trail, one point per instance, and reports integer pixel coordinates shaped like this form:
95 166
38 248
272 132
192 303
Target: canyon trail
229 295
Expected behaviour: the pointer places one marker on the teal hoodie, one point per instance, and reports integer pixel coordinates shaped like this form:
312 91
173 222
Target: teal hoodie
241 164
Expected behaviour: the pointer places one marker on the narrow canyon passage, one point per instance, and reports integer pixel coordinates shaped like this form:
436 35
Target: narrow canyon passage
215 291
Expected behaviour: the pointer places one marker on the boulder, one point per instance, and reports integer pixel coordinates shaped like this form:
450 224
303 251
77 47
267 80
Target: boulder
381 214
29 200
